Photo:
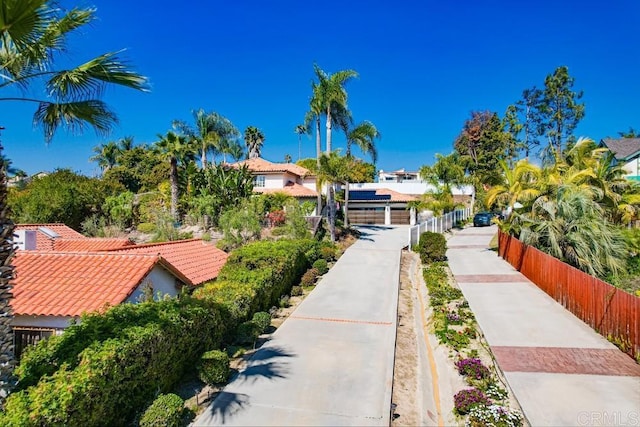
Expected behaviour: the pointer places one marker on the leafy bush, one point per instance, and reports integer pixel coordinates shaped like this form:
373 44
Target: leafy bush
321 265
432 247
146 227
276 218
247 333
262 320
328 252
465 400
309 278
104 369
296 291
166 411
214 367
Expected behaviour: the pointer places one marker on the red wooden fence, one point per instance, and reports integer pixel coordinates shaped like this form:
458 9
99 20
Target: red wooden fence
614 313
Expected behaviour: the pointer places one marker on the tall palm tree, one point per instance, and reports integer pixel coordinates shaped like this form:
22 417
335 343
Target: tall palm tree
32 35
363 135
253 139
333 168
312 120
106 155
331 94
300 130
126 143
212 132
176 149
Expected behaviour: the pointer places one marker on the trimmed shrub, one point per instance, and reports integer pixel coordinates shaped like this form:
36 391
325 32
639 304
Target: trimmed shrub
262 320
146 227
309 278
328 252
296 291
247 333
322 266
214 367
432 247
166 411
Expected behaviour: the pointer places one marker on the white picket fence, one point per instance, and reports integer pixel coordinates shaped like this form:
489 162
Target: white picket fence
438 224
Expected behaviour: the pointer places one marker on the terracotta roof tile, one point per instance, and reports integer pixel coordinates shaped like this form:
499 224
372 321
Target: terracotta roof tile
88 244
291 189
199 261
68 284
264 166
44 241
394 196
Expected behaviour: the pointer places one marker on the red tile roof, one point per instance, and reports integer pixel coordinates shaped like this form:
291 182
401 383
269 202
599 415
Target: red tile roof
68 284
44 241
291 189
395 196
264 166
199 261
88 244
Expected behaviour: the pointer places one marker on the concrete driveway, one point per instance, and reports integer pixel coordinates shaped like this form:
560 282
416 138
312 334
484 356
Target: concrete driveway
331 361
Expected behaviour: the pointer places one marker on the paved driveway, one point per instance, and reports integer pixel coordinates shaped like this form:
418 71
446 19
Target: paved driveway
331 361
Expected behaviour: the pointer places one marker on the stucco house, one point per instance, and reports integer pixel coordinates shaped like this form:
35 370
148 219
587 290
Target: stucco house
53 289
627 152
287 178
59 278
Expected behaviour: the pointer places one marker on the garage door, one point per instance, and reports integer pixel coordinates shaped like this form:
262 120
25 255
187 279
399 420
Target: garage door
400 216
366 215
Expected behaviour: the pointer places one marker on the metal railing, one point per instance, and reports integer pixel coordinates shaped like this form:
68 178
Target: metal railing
438 224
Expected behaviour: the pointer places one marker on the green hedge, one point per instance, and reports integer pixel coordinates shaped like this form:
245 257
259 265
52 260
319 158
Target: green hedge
120 371
214 367
105 369
432 247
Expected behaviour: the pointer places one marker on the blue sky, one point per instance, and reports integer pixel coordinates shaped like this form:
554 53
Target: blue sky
423 65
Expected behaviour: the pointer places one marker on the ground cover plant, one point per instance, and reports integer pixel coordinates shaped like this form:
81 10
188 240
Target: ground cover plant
453 323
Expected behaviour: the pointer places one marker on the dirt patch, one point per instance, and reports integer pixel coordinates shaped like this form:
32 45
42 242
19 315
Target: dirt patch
406 411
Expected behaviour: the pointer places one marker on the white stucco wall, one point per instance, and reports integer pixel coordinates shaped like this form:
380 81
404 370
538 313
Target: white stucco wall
309 183
162 281
632 167
54 322
409 187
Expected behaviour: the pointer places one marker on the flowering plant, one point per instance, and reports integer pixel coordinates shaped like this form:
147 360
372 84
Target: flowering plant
465 400
473 368
493 416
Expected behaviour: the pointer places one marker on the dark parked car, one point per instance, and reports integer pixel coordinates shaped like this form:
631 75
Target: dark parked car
482 219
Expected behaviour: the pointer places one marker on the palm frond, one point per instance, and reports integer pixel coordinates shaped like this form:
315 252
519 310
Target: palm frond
74 116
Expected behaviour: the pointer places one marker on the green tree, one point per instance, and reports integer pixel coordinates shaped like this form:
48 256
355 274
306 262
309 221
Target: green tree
520 185
106 155
480 146
240 224
7 359
631 133
61 196
177 149
331 95
559 109
32 36
254 139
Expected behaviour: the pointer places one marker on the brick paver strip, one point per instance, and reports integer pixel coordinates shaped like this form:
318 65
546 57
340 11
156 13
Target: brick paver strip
490 278
557 360
328 319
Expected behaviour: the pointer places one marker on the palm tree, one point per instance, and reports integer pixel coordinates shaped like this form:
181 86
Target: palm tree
176 149
521 185
106 155
572 227
364 136
233 149
300 130
313 116
333 168
253 139
32 35
331 94
212 132
126 144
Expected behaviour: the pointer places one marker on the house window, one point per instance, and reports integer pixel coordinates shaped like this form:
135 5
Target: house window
258 181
